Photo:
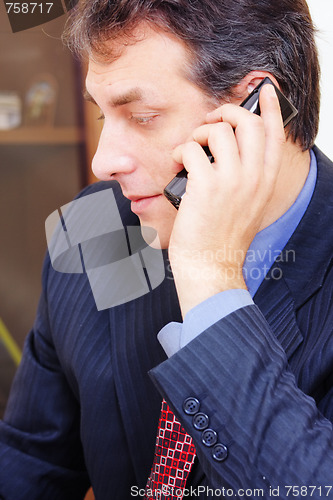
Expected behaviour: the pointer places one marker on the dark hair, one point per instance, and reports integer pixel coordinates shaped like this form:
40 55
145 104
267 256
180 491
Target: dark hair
226 38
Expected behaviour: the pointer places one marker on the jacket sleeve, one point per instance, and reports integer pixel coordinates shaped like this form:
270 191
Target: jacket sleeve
41 454
264 434
40 451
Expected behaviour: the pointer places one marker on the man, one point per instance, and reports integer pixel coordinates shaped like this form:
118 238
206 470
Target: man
249 380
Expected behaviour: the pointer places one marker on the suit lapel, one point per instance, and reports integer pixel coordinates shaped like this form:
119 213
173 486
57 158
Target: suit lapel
301 267
135 350
277 305
312 242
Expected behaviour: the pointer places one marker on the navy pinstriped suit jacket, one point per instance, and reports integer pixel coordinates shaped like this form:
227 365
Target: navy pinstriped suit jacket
83 407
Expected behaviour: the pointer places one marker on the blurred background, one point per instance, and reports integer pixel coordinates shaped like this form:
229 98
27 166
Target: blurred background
322 14
48 135
47 138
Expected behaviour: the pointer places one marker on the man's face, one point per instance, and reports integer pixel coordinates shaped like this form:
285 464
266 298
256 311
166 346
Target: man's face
149 107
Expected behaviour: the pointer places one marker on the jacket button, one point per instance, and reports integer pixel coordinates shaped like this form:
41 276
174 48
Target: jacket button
200 421
191 406
209 437
220 452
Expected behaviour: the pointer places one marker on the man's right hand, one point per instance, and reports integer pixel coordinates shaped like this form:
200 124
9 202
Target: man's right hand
225 201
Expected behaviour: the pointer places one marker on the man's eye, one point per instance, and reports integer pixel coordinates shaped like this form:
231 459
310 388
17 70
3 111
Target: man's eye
140 119
143 119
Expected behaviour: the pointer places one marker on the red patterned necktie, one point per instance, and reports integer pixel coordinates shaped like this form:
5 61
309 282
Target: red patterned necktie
174 456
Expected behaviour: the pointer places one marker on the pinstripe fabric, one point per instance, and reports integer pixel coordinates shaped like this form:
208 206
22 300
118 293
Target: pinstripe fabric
99 362
84 409
254 370
256 408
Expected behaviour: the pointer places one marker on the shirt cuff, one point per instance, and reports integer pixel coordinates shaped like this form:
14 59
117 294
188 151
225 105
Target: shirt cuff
174 336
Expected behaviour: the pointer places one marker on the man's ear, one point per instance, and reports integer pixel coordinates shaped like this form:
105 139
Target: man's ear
249 82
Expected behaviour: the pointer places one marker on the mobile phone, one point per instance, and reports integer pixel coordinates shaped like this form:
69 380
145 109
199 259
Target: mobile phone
175 190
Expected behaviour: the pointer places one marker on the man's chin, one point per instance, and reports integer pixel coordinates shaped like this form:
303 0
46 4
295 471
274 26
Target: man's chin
153 239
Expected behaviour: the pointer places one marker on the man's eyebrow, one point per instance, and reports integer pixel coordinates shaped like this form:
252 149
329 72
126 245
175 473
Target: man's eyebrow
132 95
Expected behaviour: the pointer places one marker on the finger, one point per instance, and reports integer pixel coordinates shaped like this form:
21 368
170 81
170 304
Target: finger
222 143
231 113
214 116
274 131
252 131
269 105
193 157
249 134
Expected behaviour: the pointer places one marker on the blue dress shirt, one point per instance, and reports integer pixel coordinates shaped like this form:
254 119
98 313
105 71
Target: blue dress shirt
264 250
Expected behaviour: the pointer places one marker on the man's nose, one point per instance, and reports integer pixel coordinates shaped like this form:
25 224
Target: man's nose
113 155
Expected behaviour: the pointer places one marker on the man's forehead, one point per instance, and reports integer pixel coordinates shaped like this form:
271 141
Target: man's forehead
146 47
142 69
113 48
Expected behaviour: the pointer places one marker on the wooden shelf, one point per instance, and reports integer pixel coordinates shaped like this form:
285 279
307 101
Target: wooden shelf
41 135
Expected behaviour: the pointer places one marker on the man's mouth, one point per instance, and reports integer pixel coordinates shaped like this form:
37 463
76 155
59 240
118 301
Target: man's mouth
141 203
